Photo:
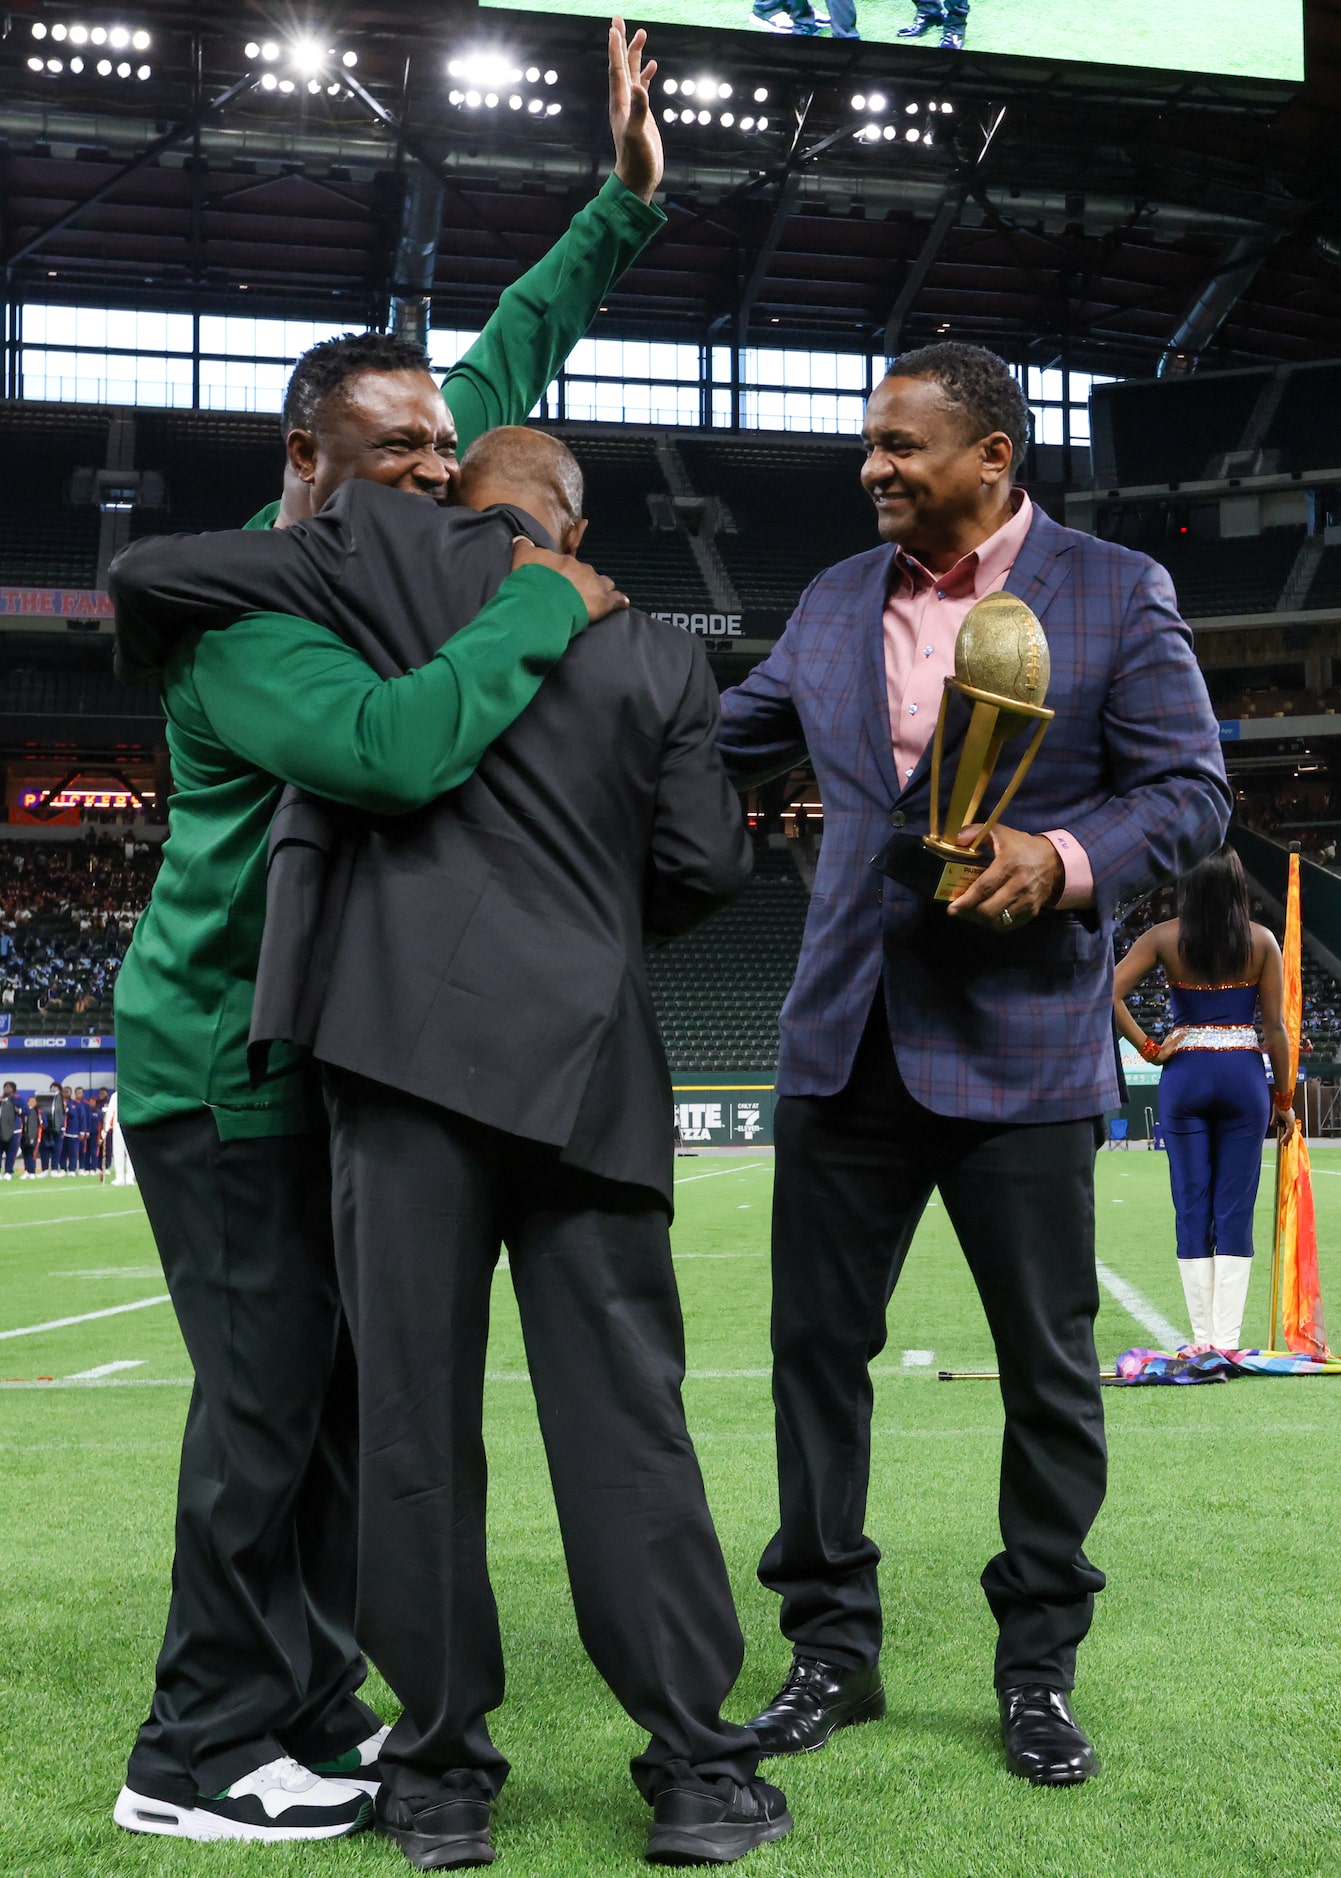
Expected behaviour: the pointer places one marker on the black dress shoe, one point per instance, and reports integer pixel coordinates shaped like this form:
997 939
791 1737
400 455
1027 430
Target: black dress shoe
715 1822
446 1834
952 42
920 27
816 1699
1043 1743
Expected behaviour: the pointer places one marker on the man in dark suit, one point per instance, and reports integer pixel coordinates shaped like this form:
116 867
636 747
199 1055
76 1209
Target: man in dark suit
471 976
950 15
967 1050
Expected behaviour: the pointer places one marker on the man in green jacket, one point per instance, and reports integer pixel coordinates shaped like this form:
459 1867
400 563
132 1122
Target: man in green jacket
255 1715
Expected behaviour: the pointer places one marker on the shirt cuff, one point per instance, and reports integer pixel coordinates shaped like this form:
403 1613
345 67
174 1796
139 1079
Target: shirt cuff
648 217
1077 875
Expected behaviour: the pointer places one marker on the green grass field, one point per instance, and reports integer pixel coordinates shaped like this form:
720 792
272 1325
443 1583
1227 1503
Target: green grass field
1250 38
1210 1680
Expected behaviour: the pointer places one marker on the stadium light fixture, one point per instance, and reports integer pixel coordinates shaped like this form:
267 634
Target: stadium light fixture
78 35
489 79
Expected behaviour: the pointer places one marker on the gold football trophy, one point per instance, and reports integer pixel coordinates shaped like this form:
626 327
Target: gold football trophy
1002 669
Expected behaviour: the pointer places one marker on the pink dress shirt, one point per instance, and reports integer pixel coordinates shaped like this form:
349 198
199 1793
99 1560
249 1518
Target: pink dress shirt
923 615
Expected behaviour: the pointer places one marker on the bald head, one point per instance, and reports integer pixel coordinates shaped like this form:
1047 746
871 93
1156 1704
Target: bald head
526 469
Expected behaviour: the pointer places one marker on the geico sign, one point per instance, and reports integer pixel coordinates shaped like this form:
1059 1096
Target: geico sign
706 625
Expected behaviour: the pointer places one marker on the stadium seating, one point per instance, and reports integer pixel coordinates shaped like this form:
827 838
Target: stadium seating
718 990
67 911
656 568
1304 428
797 507
1326 587
42 675
1173 431
43 540
219 467
1242 574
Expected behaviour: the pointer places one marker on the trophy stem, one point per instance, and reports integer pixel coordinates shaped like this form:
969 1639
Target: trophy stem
937 748
1021 771
974 771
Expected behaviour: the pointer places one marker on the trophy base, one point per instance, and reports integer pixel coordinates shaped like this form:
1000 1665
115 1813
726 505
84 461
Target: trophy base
914 863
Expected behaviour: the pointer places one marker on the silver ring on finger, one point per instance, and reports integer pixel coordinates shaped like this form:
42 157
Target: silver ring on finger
1006 917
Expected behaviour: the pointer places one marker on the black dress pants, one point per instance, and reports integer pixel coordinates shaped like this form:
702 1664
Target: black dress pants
259 1658
854 1173
423 1201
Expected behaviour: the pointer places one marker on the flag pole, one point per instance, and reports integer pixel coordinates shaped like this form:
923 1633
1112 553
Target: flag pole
1270 1343
1293 1018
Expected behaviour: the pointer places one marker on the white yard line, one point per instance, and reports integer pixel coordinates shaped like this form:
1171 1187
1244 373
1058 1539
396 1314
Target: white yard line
106 1382
680 1257
69 1219
112 1271
1166 1336
105 1369
743 1168
85 1317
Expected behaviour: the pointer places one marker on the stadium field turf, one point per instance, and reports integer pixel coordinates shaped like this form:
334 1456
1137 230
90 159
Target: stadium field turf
1247 37
1209 1681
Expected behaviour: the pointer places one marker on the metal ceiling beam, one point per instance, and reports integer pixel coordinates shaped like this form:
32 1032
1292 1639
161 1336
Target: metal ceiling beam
416 255
188 127
946 217
1238 269
783 208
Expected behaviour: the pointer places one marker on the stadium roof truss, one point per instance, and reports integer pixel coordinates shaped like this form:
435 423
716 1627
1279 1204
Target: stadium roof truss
1103 220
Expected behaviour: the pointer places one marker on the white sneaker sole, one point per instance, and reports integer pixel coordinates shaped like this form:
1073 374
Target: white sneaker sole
137 1814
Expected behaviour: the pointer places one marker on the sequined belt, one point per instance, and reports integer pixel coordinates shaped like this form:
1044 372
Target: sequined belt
1217 1037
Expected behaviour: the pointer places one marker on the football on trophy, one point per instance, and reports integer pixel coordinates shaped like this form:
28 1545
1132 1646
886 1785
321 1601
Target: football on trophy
1001 649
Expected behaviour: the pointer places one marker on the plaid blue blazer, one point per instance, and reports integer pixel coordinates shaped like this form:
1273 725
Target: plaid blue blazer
995 1026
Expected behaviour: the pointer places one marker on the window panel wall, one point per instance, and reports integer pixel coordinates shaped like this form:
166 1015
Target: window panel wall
238 363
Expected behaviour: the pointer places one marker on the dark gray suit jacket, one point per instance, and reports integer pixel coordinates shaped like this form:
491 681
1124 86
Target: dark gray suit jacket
486 952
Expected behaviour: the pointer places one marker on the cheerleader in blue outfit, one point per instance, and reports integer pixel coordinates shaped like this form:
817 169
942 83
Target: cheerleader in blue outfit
1221 970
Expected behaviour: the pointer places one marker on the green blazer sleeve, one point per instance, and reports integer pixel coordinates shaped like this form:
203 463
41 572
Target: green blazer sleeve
291 698
541 318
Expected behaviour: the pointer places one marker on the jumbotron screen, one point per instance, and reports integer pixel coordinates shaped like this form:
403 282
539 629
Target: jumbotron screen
1239 38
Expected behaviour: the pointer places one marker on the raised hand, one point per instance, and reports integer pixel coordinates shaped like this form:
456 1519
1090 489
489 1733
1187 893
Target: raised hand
599 594
640 162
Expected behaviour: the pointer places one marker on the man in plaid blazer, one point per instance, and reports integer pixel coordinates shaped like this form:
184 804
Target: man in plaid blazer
968 1049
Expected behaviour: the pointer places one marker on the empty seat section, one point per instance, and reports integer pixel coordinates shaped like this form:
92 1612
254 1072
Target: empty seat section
218 467
654 567
1326 587
1243 574
44 541
718 990
1304 428
1175 431
797 507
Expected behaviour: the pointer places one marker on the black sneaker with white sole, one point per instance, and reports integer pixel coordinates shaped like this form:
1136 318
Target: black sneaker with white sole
278 1801
715 1822
358 1767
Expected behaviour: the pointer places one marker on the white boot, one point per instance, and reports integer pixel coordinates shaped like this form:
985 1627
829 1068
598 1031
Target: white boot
1198 1276
1231 1294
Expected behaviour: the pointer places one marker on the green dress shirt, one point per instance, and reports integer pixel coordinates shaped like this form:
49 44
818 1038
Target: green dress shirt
276 700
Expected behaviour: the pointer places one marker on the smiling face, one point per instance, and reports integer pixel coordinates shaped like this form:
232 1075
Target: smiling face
379 427
938 488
